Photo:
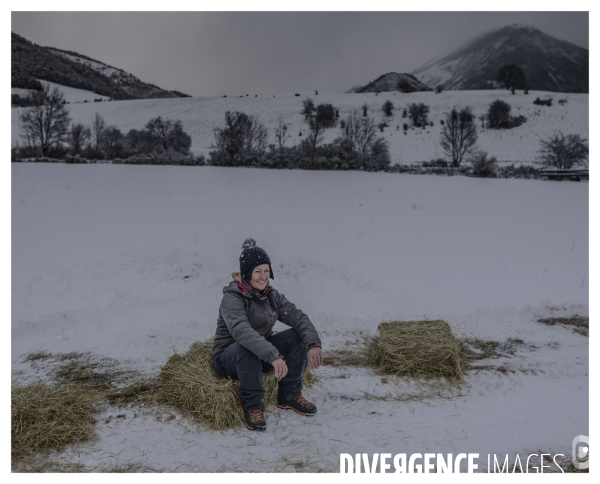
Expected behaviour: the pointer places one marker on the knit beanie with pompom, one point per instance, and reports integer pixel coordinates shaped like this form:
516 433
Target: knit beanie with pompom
252 257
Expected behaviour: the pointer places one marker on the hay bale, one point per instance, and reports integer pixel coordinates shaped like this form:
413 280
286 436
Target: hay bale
416 348
188 383
45 417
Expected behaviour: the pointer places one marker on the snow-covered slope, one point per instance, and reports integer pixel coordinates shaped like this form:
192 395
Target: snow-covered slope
128 263
201 115
19 91
74 95
550 64
119 76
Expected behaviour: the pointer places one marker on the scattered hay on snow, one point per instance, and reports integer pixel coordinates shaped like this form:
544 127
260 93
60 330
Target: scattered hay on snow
37 355
188 383
473 349
38 463
345 357
45 417
85 369
50 417
416 348
84 372
142 392
579 324
43 464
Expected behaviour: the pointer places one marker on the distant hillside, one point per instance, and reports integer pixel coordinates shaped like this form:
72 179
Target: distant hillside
200 115
550 64
30 62
393 81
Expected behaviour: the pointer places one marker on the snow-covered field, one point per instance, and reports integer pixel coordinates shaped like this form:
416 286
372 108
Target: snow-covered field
202 114
128 263
72 94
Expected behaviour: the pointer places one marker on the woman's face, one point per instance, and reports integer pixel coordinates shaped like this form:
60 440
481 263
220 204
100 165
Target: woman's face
260 277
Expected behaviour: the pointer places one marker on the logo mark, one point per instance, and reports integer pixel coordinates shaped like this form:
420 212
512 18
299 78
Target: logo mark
580 452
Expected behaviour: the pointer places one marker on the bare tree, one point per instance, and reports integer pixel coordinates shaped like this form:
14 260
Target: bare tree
563 151
418 114
46 122
359 131
281 133
459 134
256 135
315 136
513 77
78 136
112 142
242 135
483 166
158 130
98 129
308 108
162 134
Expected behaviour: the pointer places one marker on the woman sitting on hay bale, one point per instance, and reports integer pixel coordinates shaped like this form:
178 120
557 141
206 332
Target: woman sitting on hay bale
245 345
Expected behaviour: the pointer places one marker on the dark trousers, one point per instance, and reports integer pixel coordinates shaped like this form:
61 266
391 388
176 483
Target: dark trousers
239 363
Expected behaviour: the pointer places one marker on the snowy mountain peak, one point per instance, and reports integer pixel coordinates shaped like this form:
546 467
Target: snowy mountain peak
549 63
393 81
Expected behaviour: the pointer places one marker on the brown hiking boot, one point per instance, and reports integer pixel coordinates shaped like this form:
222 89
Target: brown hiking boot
299 404
255 419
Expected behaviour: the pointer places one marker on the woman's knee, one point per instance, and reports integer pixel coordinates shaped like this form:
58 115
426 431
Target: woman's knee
293 336
298 342
246 359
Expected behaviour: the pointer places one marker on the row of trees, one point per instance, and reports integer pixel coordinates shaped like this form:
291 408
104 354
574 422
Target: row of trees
459 140
46 127
459 134
325 114
417 112
243 142
102 141
48 130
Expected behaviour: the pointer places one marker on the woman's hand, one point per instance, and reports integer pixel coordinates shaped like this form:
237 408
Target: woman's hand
281 368
315 357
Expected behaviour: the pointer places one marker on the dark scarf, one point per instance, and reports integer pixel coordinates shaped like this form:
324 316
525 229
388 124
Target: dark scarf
245 287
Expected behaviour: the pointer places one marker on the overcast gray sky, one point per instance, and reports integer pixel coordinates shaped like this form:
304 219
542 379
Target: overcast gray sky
216 53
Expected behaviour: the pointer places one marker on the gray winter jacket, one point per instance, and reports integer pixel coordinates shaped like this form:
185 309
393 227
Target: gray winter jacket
248 317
